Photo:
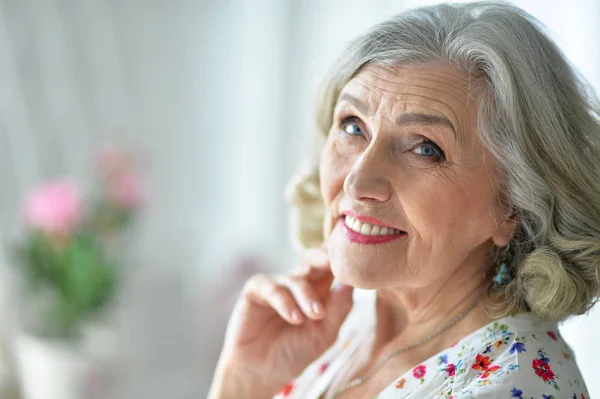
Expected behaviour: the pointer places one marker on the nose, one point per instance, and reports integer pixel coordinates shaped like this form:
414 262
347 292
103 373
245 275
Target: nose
368 179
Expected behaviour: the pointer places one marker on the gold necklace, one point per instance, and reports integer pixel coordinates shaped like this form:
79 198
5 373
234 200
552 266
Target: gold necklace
360 380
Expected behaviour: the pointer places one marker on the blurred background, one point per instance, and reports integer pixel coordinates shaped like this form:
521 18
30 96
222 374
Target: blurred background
215 98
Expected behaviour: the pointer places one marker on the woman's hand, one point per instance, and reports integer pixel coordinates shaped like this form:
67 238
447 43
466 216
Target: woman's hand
280 325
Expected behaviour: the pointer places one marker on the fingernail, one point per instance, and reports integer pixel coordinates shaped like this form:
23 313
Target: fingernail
316 307
295 315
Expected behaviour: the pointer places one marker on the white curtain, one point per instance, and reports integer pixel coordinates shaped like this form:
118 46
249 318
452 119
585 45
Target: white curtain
77 74
219 96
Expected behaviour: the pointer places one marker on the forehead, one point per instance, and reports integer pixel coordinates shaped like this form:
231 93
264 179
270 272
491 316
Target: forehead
437 88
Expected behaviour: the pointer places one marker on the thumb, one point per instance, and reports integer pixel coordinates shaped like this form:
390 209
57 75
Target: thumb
338 306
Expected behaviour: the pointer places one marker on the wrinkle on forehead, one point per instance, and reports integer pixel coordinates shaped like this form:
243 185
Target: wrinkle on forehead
437 87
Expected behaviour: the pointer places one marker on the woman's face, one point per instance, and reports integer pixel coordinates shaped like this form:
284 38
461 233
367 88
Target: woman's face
403 152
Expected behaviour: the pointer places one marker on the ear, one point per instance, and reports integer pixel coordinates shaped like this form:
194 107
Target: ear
505 231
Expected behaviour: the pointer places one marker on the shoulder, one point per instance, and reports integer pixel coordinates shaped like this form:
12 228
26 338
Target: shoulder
518 357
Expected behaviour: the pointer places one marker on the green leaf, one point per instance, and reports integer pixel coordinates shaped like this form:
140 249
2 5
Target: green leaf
79 272
79 276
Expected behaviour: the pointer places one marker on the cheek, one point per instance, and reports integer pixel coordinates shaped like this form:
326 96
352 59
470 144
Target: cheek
431 206
333 169
442 206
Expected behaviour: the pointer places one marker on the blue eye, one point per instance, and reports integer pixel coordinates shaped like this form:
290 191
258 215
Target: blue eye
351 127
429 150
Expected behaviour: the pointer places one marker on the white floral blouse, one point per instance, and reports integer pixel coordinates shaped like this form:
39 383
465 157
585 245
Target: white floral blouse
514 357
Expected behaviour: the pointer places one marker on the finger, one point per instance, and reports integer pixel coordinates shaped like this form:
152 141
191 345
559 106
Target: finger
314 264
318 272
281 299
266 291
306 297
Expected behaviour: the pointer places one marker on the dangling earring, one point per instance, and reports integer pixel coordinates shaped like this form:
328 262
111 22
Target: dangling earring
502 276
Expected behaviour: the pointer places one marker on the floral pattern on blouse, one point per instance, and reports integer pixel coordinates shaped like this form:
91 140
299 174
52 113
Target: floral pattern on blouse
514 357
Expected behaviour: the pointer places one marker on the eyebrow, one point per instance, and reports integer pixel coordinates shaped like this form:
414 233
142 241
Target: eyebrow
358 104
404 119
424 119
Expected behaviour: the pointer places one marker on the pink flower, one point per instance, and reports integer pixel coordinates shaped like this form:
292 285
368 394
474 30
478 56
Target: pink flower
54 208
125 190
420 371
111 161
323 367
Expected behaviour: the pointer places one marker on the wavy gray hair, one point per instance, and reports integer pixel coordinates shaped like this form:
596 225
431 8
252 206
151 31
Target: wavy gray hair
539 120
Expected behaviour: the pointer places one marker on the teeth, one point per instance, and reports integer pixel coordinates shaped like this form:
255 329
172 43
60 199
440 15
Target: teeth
369 229
366 229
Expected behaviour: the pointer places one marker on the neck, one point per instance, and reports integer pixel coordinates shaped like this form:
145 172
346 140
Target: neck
405 316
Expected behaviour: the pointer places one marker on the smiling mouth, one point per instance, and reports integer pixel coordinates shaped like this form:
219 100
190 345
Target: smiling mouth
364 233
369 229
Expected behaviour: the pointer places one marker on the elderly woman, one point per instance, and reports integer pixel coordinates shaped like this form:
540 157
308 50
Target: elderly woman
460 181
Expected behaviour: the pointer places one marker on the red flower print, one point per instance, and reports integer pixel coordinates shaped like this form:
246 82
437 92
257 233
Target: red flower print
400 384
582 396
543 370
552 335
451 370
323 367
286 389
487 371
481 362
420 371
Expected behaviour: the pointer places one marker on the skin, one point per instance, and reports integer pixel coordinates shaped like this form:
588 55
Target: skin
427 176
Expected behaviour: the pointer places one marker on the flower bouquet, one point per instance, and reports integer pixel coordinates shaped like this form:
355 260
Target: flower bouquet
69 266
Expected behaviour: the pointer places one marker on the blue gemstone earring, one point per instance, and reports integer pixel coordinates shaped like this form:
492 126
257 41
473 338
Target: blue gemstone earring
503 276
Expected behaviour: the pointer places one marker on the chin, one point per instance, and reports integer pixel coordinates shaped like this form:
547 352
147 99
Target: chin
354 269
351 275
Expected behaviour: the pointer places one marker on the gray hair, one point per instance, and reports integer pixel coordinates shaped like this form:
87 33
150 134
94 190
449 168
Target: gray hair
538 119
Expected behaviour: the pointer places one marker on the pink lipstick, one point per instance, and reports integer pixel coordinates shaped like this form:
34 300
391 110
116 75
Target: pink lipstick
365 239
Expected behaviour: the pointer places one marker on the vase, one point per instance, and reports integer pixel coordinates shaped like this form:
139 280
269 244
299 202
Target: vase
68 369
101 345
50 369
